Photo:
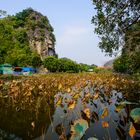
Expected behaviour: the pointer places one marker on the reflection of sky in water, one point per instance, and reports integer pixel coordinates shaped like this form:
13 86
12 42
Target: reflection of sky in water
117 121
62 117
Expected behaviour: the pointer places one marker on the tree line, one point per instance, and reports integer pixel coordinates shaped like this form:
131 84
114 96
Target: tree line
54 64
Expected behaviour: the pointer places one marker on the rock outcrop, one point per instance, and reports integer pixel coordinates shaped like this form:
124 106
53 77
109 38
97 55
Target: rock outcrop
39 31
109 63
40 34
26 39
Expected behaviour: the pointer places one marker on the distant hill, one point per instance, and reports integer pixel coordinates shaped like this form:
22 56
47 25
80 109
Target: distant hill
26 38
109 63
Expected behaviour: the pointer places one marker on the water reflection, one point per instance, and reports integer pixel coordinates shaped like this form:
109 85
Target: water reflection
24 124
106 113
117 119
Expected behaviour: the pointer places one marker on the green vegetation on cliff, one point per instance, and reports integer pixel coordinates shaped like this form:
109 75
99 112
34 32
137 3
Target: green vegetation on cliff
16 34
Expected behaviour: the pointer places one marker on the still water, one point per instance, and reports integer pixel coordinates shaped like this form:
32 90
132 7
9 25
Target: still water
86 114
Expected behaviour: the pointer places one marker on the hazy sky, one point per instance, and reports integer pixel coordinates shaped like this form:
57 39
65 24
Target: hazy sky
71 20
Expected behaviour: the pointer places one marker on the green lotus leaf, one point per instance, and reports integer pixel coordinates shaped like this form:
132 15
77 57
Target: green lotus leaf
78 129
126 103
92 138
135 115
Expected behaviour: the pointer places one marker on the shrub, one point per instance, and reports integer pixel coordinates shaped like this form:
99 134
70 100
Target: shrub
67 65
129 64
51 63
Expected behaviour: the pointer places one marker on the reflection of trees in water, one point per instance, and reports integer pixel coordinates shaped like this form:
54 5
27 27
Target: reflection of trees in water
24 109
112 108
27 123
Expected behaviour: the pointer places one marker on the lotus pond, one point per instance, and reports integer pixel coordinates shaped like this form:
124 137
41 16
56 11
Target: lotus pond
82 106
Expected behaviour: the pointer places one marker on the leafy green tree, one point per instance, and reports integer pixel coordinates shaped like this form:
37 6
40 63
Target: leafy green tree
127 64
112 20
2 13
54 64
18 57
132 40
67 65
36 61
135 63
86 67
129 61
51 63
121 64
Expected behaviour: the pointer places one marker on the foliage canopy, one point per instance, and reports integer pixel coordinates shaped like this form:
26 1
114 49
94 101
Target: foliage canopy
129 61
2 13
112 20
54 64
127 64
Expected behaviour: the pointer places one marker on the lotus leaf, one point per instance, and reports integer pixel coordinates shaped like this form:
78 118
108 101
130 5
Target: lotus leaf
71 105
132 130
126 103
87 112
119 108
59 101
78 129
135 114
105 113
92 138
105 124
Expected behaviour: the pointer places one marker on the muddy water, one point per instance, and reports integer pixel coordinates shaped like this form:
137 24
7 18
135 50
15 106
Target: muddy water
54 122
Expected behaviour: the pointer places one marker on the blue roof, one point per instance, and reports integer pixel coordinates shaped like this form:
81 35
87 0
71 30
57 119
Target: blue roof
25 69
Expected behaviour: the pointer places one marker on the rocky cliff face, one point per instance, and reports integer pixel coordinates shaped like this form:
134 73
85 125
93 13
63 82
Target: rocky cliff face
43 48
26 38
39 31
41 37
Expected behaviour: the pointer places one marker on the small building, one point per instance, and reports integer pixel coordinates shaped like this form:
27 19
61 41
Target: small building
24 70
90 70
17 70
6 69
28 70
9 69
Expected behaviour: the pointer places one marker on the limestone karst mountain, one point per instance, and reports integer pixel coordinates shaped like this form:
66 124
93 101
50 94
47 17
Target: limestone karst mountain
26 37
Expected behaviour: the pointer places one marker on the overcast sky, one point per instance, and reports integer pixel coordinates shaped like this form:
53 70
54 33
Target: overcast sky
71 20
